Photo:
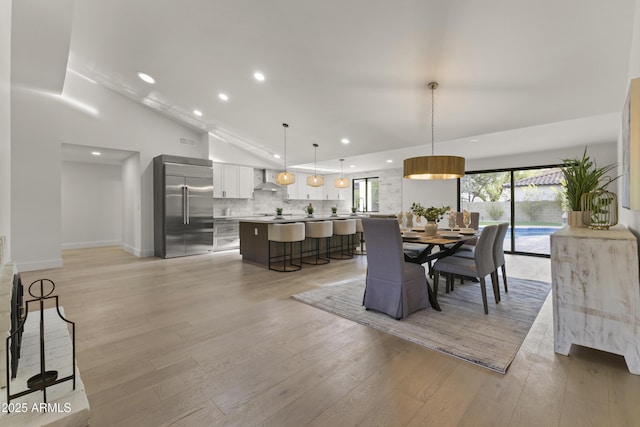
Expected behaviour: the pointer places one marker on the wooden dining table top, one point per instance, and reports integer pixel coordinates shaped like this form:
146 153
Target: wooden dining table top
439 239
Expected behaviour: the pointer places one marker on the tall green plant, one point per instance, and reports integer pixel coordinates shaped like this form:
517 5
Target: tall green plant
582 176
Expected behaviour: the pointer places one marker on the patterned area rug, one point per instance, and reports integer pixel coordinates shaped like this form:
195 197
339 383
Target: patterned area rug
461 329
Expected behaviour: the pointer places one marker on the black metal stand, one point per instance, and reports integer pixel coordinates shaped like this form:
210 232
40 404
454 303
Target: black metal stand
45 378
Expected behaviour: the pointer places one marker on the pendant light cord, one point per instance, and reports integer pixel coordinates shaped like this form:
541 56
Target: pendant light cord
315 150
433 87
285 126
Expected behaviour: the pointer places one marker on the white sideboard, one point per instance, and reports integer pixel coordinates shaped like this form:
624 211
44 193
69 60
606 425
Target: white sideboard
596 291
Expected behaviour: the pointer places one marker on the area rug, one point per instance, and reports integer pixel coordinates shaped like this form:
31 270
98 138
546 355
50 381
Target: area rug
461 329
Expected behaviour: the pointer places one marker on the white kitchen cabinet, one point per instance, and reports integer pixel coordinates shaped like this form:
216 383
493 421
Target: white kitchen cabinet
232 181
333 193
245 182
299 190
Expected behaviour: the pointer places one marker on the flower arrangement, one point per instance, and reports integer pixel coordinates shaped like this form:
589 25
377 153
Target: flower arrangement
431 213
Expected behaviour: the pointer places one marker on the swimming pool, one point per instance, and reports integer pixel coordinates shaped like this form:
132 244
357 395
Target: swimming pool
531 230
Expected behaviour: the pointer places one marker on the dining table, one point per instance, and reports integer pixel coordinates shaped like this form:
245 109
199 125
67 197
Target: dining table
448 243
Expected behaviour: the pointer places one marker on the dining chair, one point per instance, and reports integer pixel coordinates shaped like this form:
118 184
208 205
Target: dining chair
481 265
475 224
498 253
393 286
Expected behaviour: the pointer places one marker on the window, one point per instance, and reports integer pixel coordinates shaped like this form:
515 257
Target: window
365 196
530 200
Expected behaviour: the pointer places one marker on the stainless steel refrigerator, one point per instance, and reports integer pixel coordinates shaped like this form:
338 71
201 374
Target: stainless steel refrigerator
183 206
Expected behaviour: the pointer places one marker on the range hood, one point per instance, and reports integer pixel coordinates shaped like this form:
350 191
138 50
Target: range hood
266 184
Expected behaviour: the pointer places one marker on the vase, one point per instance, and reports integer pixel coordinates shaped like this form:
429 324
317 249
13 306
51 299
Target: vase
431 228
578 219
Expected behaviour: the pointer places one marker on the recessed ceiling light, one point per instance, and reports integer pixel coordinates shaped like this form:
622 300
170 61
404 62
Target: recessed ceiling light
344 140
258 76
96 153
197 113
389 161
277 156
352 166
146 78
475 140
223 96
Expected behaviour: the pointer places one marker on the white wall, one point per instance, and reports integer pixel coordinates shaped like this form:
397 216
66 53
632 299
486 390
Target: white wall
603 154
41 123
627 217
5 124
131 208
429 193
92 196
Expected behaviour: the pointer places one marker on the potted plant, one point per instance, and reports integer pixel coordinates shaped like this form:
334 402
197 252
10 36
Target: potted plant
432 214
581 176
353 210
334 210
278 212
309 210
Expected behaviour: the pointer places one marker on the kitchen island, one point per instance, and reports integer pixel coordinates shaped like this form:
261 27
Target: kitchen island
254 241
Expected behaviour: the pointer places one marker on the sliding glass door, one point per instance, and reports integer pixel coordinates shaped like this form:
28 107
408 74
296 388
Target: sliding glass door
530 200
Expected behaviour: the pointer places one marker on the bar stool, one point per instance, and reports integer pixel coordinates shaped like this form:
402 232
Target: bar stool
360 231
344 228
317 230
286 233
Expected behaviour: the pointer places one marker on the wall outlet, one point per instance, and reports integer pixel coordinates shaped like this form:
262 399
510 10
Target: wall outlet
255 231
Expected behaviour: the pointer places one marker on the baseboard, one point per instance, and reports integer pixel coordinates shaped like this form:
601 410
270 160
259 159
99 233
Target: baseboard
38 265
136 251
94 244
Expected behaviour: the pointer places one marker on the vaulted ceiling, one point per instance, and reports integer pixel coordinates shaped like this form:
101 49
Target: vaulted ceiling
515 75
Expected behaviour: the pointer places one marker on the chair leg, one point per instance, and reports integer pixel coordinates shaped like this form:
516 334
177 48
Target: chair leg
504 277
436 279
495 283
483 288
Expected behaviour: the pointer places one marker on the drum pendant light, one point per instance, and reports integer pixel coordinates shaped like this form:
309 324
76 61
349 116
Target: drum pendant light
341 182
433 167
285 178
315 180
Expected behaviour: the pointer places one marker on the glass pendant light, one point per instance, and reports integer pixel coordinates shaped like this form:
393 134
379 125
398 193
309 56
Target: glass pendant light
285 178
315 180
433 167
341 182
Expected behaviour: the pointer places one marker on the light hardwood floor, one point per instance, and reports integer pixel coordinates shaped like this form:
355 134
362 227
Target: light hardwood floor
210 340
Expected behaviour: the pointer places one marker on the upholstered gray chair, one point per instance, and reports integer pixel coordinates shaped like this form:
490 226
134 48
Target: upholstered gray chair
475 220
469 245
498 255
393 286
479 266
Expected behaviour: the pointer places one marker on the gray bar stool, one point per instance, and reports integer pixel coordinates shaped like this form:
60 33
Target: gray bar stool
288 233
344 228
317 230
